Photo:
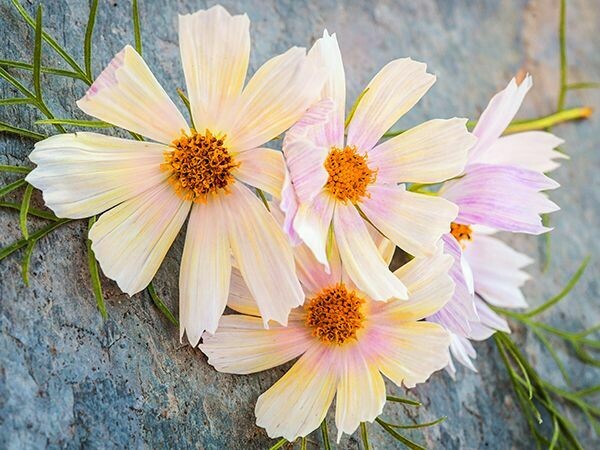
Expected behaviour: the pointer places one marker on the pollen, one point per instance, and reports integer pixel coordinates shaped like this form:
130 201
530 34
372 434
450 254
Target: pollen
200 166
335 315
349 174
461 232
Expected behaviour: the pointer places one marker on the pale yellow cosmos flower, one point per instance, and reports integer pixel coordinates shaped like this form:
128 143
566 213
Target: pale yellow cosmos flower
148 189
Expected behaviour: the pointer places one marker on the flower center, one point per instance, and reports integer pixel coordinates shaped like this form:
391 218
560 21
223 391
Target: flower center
335 314
349 174
461 232
200 165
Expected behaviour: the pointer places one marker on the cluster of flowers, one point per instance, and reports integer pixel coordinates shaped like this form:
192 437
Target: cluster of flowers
308 271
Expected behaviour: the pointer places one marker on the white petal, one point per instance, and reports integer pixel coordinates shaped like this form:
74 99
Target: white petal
391 93
262 168
131 240
215 48
83 174
414 222
263 255
361 258
241 344
205 271
126 94
240 299
297 404
275 98
429 153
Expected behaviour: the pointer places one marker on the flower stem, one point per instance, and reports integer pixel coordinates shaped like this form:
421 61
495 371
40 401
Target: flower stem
541 123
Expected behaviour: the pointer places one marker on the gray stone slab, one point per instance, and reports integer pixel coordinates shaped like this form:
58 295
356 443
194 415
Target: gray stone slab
68 380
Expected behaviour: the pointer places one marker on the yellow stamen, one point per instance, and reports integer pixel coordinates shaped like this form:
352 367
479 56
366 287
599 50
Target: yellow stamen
349 174
335 314
461 232
200 165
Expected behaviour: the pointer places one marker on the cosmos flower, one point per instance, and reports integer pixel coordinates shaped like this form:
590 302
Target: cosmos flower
207 171
501 190
337 186
345 341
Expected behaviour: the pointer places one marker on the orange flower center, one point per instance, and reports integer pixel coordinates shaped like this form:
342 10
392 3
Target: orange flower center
461 232
335 314
349 174
200 165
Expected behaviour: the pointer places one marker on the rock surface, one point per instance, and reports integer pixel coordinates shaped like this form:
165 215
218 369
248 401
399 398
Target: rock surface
70 380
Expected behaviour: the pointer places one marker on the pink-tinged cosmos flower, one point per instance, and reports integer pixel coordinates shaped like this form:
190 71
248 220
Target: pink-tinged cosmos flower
345 341
148 189
338 186
501 190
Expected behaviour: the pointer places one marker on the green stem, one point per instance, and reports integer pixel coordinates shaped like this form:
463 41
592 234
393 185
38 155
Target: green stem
365 436
6 251
95 274
161 305
32 211
325 435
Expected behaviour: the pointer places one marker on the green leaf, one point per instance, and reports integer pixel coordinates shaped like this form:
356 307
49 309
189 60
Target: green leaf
410 444
557 298
21 132
186 102
17 84
279 444
32 211
303 443
353 109
9 250
95 274
261 194
87 43
37 55
15 101
14 169
419 425
46 37
137 32
161 305
365 436
27 261
49 70
11 187
25 210
75 122
325 435
391 398
553 354
584 85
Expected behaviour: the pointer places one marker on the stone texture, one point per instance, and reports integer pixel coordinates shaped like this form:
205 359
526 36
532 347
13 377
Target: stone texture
68 380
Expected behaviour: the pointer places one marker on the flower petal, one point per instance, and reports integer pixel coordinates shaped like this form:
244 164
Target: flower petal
431 152
462 350
309 386
326 53
361 258
498 114
241 345
205 271
215 48
263 254
262 168
488 322
532 150
275 98
83 174
131 240
240 299
391 93
414 222
497 271
126 94
503 197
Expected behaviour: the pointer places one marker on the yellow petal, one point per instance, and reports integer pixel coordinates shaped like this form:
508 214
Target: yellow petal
262 168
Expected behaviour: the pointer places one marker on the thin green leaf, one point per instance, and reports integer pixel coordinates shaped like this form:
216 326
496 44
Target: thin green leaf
15 101
37 55
263 198
45 69
25 210
555 433
87 43
11 187
364 434
419 425
391 398
21 131
325 435
557 298
27 261
14 169
583 85
553 354
353 109
32 211
57 48
303 444
95 274
588 391
75 122
186 102
137 31
161 305
279 444
410 444
9 250
17 84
